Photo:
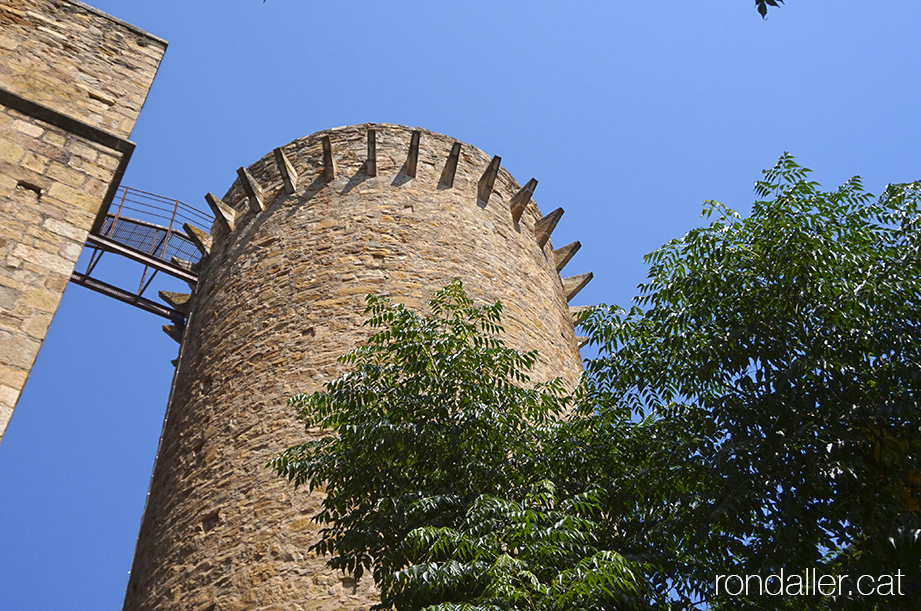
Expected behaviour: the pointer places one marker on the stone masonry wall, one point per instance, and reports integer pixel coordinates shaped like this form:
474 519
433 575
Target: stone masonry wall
72 81
281 297
77 61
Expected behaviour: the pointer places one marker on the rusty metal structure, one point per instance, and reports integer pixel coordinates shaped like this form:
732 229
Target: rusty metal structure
135 230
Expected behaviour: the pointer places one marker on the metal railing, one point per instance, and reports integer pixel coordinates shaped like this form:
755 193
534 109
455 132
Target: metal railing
145 228
152 224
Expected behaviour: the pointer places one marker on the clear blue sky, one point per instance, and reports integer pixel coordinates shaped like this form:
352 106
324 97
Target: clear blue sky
630 114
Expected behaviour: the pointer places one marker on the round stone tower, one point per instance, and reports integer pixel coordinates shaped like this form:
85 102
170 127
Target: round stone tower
300 238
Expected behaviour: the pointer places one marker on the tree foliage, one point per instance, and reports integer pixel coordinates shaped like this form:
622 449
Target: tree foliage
762 5
437 426
783 354
757 409
541 553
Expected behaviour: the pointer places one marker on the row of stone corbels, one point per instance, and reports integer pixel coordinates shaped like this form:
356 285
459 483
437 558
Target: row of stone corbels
227 216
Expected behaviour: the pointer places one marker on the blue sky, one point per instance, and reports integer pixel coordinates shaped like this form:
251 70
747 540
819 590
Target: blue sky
630 114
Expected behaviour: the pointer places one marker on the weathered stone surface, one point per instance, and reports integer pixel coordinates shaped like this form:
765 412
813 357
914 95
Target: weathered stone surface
521 198
484 187
371 163
573 284
450 167
174 332
57 160
222 212
287 171
179 301
562 256
201 238
412 157
253 190
78 61
278 300
577 311
545 226
186 265
330 169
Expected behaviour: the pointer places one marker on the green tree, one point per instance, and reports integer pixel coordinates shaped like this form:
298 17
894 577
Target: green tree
542 553
762 5
756 410
438 432
780 357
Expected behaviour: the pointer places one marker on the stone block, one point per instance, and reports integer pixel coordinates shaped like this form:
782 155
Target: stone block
8 297
6 410
70 251
108 162
10 151
574 284
37 327
35 162
562 256
29 129
56 282
95 188
545 226
484 187
43 260
74 197
253 190
18 351
54 138
178 301
287 171
87 152
40 299
222 212
65 229
13 378
61 173
202 240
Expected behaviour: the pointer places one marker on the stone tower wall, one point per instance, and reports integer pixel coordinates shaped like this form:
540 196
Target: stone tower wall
281 297
72 82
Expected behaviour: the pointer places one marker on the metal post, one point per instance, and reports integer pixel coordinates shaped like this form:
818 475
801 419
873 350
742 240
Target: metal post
118 212
143 287
169 230
94 259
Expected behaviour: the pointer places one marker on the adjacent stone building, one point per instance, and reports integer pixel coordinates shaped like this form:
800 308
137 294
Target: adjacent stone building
72 82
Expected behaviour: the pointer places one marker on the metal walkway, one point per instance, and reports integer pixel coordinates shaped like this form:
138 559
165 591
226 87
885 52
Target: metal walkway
135 231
